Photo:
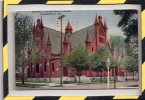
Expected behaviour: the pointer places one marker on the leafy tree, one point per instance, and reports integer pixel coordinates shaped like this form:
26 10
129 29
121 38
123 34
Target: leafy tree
98 60
128 22
113 65
78 59
23 36
118 45
131 64
35 55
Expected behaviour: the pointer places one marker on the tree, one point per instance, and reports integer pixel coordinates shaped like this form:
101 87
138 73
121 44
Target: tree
35 56
98 60
114 64
23 36
78 59
131 65
118 46
128 22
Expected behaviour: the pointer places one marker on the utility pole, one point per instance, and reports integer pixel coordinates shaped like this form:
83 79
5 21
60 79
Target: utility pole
61 78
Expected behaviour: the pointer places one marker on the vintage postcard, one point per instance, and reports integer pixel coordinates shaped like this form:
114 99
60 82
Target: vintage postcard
76 49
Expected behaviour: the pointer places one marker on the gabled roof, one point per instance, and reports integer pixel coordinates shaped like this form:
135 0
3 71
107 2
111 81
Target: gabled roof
79 37
76 39
55 37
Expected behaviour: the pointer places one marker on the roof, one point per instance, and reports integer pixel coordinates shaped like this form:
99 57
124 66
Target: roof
79 37
54 38
76 39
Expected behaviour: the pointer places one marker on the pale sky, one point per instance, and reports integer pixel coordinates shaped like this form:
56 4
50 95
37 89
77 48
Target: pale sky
78 19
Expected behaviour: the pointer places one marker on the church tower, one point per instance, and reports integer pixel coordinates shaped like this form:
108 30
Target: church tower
39 35
106 31
68 29
101 32
96 23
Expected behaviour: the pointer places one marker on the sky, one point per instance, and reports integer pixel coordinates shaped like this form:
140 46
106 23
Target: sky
78 19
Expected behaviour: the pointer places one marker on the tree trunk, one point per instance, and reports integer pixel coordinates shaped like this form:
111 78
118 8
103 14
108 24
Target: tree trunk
23 76
126 77
101 78
79 79
79 74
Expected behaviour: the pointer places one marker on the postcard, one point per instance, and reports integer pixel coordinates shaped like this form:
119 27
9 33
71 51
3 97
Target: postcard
76 49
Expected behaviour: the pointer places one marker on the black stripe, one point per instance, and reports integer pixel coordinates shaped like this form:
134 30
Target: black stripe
142 96
85 1
5 80
33 1
4 31
143 50
47 98
132 2
99 98
143 5
141 2
4 28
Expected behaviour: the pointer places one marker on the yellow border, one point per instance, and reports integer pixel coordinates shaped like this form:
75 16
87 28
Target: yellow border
5 49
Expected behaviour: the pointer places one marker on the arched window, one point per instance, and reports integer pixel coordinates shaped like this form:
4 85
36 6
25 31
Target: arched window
37 67
53 69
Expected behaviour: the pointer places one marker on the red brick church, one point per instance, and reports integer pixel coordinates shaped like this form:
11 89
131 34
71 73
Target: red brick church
48 41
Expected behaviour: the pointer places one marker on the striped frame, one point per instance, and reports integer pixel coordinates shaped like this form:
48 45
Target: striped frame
5 49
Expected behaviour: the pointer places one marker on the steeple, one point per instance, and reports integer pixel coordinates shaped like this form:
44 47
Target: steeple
100 19
38 23
68 28
105 25
48 40
65 40
87 38
96 20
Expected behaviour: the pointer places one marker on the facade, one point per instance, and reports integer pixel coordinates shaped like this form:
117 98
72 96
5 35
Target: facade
48 41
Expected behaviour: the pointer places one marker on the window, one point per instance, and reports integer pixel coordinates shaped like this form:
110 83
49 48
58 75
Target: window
45 65
37 67
101 40
53 69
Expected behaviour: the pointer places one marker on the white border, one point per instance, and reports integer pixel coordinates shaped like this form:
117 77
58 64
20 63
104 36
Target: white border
1 54
11 52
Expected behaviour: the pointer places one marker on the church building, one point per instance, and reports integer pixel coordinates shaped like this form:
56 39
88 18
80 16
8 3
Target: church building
48 41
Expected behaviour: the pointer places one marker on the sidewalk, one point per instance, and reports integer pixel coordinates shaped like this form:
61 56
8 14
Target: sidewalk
120 85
